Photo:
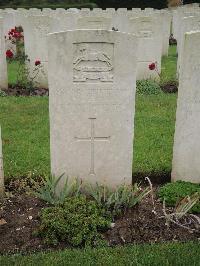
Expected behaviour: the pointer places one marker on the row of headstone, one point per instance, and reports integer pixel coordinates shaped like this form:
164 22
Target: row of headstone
92 78
92 112
185 19
151 26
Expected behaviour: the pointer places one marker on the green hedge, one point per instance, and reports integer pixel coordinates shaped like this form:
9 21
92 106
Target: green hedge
48 5
157 4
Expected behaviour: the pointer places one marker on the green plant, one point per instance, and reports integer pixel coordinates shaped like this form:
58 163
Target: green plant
172 193
180 215
2 93
78 222
147 87
25 77
28 184
122 198
55 195
185 205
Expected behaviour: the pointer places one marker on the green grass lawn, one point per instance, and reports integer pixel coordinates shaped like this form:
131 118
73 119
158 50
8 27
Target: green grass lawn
12 69
169 65
176 254
25 131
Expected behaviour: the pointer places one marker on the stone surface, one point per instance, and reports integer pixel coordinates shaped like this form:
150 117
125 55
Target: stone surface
91 105
149 31
186 153
8 24
36 29
166 19
188 24
3 64
90 22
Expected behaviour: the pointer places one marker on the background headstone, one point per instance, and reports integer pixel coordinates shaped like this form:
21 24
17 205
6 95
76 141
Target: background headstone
36 29
3 64
187 24
149 32
94 23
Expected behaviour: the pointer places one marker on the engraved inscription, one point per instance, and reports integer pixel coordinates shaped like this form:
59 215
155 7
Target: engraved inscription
145 34
92 139
145 29
93 62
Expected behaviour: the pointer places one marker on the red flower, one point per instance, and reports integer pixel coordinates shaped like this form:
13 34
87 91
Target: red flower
37 62
17 35
9 54
152 66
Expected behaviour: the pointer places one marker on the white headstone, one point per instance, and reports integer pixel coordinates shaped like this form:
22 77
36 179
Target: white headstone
122 11
9 23
120 20
166 19
110 11
48 11
36 29
186 154
187 24
149 31
63 22
178 15
91 105
102 23
3 64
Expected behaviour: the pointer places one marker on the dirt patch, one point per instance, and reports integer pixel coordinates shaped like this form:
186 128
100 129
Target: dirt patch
141 225
18 91
20 219
171 87
172 40
157 178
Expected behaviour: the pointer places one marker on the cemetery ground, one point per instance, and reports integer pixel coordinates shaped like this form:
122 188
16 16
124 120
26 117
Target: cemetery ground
25 130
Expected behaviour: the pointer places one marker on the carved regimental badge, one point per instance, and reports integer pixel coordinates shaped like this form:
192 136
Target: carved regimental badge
93 62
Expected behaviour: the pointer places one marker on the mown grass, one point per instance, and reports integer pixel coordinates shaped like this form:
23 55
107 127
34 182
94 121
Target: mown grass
12 70
154 134
25 131
163 254
25 126
169 64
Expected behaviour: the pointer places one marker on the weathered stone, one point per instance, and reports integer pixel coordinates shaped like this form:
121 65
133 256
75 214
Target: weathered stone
91 105
186 154
149 31
36 29
101 23
3 64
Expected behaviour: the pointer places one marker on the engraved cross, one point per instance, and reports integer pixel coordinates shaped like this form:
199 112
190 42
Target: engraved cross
92 141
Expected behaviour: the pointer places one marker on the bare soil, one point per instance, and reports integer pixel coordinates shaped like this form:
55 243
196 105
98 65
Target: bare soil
170 87
19 91
19 219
